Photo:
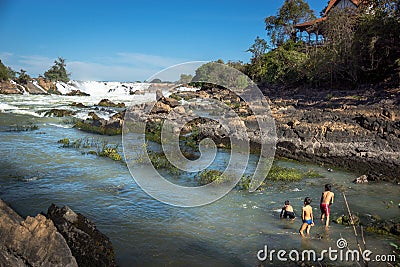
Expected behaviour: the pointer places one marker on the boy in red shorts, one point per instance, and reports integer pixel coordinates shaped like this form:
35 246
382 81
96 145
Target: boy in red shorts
326 201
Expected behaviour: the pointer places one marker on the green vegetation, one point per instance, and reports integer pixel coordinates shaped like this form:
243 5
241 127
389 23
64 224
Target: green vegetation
6 73
345 220
280 28
209 176
110 152
58 71
86 145
276 173
192 140
218 73
23 77
160 161
156 80
359 47
88 127
24 128
153 131
176 96
185 78
65 142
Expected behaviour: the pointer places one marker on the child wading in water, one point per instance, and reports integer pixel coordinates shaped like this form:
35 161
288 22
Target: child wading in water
287 211
326 202
307 217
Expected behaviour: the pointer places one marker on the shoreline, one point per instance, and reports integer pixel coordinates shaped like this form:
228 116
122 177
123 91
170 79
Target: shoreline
356 130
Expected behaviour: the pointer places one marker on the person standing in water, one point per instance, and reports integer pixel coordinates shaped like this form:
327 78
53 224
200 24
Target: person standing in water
326 201
307 217
287 211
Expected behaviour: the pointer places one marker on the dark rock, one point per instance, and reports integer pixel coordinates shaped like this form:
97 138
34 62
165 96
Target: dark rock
159 95
78 105
59 113
77 93
89 246
386 227
171 102
31 242
98 125
108 103
345 220
94 116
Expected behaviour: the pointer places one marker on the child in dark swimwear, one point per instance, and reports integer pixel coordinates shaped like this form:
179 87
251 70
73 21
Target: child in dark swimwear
287 211
307 217
325 203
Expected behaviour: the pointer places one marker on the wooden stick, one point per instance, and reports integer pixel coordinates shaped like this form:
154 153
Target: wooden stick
362 236
354 227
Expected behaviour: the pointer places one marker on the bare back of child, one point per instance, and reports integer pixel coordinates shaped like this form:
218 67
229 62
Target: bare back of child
307 217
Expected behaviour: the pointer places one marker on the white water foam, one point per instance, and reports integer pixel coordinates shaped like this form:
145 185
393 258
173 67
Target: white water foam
95 88
6 107
61 126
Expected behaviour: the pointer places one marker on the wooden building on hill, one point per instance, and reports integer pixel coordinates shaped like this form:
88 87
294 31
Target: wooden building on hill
314 27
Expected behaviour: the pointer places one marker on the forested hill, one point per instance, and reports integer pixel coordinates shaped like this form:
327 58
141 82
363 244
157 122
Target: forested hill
356 46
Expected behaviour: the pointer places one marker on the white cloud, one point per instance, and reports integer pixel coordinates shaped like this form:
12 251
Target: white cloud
34 65
119 67
148 60
101 72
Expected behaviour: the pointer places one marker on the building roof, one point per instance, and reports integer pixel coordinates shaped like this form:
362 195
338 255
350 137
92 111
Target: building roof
332 3
309 24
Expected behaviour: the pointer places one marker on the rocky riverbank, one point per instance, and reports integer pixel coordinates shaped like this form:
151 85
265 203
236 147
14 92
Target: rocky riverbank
59 238
359 131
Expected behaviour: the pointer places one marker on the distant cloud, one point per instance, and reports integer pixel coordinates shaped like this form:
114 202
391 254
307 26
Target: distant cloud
118 67
102 72
34 64
148 60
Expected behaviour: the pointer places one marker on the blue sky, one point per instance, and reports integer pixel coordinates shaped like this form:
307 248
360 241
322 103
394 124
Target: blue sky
128 40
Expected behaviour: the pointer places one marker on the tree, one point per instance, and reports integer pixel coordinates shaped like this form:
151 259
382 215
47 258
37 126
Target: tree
6 73
377 40
3 72
221 74
280 27
258 48
185 78
156 80
58 71
23 77
12 74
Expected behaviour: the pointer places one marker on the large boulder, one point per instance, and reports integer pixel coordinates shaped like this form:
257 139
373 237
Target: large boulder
109 103
49 86
77 93
89 246
7 87
95 124
31 242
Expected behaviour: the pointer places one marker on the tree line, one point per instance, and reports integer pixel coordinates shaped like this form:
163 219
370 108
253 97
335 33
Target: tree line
360 46
57 72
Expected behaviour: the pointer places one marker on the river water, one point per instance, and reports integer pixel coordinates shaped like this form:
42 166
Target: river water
36 171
